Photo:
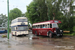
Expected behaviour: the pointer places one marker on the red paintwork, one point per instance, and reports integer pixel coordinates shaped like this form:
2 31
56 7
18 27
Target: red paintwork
44 31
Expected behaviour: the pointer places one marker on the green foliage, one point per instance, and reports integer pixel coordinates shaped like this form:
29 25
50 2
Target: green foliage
14 13
32 13
37 12
3 20
4 36
42 10
23 15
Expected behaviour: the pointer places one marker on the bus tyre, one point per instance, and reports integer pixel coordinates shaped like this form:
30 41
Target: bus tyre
16 35
61 35
50 35
12 35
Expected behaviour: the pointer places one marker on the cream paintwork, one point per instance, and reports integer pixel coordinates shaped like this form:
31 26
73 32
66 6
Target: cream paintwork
19 23
41 23
19 32
19 18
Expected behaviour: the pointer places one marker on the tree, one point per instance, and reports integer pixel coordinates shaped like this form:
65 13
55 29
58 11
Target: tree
64 11
53 7
42 10
31 13
68 10
14 13
23 15
36 11
3 20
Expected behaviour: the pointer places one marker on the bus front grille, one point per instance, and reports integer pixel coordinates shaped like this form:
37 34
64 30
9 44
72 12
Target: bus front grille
58 30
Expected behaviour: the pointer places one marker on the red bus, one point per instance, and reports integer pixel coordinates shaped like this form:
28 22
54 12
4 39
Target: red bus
47 28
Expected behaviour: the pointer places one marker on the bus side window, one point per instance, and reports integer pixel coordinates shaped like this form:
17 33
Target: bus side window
50 25
33 26
43 26
40 26
36 26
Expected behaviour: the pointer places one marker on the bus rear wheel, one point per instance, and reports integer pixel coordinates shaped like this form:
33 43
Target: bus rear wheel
50 35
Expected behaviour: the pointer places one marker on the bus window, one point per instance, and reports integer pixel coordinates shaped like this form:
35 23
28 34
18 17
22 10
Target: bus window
33 26
50 25
12 28
40 26
44 26
36 26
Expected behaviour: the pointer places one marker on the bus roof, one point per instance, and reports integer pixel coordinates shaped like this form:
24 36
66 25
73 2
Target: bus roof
47 22
19 18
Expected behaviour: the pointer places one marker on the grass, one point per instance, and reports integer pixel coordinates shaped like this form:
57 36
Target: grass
71 34
3 36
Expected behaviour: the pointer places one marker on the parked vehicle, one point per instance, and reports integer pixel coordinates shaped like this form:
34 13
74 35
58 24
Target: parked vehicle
47 28
3 30
19 26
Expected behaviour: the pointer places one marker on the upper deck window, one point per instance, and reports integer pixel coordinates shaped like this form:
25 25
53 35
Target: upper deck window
22 20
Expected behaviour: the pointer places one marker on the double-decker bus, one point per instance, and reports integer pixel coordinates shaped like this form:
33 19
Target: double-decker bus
47 28
19 26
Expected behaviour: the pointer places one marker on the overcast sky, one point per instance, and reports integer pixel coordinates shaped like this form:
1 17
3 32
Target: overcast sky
21 4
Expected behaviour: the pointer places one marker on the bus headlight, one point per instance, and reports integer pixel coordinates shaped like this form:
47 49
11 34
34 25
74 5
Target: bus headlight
55 31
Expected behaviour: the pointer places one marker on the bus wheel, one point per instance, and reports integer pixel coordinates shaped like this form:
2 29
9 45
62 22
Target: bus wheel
16 34
61 35
50 35
12 34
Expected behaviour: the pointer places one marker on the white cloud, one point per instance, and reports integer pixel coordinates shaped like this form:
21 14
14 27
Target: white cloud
21 4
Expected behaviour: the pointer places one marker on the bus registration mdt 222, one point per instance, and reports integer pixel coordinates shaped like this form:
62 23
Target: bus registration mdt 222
47 28
19 26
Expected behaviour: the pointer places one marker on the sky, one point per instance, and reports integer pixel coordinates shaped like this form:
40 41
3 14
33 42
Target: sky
20 4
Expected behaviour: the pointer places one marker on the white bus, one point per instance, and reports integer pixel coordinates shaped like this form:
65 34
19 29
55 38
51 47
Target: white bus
19 26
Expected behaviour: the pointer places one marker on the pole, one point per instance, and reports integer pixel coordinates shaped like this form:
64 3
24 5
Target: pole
8 16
